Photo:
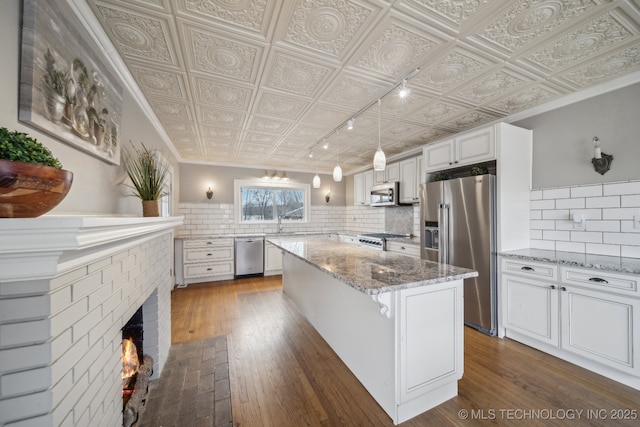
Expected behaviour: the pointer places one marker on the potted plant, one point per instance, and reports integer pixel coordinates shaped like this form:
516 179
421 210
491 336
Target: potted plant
32 181
148 173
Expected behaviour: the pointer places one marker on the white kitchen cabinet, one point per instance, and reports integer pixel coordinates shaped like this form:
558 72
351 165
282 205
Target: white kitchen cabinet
379 177
203 260
409 249
392 172
272 259
465 149
588 317
362 183
347 238
409 187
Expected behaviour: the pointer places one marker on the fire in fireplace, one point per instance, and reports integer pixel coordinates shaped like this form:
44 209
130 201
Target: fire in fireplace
136 369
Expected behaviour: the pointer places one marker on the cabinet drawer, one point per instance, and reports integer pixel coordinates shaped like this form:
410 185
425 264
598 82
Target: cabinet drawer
210 254
530 269
205 243
208 269
404 248
601 280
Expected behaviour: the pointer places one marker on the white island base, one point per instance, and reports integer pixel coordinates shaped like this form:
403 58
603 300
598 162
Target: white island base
405 346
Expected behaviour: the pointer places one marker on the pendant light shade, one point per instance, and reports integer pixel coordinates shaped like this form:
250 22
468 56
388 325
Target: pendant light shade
337 171
316 181
379 159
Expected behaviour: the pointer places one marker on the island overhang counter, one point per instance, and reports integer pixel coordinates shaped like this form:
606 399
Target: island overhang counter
395 321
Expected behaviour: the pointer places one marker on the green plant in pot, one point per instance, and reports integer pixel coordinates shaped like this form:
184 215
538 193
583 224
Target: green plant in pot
32 181
148 173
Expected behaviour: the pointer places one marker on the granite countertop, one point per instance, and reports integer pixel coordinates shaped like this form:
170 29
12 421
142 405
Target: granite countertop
369 270
574 259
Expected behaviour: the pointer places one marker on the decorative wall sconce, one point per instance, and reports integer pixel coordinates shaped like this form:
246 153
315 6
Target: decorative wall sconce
601 161
327 196
209 193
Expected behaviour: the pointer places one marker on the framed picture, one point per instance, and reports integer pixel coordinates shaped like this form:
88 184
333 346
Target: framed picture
66 90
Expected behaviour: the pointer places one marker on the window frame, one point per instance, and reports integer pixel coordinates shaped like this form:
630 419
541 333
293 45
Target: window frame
239 184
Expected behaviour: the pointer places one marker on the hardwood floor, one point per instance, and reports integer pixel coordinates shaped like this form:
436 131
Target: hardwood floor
284 374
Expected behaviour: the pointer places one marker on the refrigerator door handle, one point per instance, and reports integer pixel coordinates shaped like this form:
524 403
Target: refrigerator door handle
443 221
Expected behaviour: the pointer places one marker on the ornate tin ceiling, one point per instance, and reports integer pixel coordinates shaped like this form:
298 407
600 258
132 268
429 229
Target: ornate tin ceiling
258 83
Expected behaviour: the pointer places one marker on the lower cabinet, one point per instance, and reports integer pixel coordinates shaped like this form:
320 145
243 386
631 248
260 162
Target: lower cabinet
272 259
586 316
203 260
412 250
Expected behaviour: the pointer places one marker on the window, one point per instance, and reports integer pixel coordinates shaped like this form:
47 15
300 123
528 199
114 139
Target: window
258 201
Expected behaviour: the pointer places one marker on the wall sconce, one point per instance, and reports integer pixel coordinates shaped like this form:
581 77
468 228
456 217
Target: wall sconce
601 161
209 193
327 196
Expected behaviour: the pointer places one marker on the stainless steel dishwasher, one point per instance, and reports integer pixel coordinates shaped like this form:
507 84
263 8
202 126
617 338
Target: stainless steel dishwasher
249 255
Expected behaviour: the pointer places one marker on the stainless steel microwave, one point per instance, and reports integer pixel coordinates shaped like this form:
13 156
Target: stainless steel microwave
385 194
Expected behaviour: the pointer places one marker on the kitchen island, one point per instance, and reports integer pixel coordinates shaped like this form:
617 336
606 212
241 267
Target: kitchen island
395 321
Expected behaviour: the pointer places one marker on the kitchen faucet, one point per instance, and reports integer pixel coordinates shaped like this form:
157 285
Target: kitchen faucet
279 223
285 215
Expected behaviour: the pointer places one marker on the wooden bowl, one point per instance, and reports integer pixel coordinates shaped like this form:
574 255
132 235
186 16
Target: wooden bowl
28 190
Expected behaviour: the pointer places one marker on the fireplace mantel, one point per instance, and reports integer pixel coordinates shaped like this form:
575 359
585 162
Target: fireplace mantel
40 248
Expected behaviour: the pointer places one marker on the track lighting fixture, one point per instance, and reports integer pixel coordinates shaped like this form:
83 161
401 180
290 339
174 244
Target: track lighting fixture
404 90
310 153
326 144
350 124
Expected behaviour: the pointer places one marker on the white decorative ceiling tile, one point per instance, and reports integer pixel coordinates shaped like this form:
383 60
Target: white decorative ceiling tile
178 127
326 26
394 105
527 98
307 132
256 148
220 117
427 135
167 110
607 67
583 42
353 92
296 76
259 138
324 115
493 86
453 69
221 94
468 120
246 14
267 124
160 83
526 20
396 50
138 36
457 11
223 56
280 106
219 133
400 130
435 113
220 144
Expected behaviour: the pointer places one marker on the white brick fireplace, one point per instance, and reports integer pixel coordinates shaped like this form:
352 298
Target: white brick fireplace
67 287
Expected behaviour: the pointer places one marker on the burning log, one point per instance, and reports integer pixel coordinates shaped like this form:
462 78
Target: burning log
137 399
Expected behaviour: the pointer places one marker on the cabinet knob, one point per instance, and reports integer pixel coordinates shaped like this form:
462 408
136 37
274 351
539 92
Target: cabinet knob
209 269
525 268
209 243
455 161
450 163
598 280
209 254
552 286
403 248
563 289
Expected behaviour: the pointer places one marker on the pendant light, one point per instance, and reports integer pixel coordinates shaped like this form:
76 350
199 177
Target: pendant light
379 160
316 181
337 171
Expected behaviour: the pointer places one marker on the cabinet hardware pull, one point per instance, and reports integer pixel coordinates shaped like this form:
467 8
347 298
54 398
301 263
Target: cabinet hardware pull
209 243
552 286
209 254
403 248
525 268
209 269
563 288
598 280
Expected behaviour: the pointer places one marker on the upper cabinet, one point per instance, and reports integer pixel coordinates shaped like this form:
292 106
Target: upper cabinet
466 149
362 183
389 174
410 181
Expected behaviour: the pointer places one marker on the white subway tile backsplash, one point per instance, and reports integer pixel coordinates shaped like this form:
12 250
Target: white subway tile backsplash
587 191
608 210
556 193
621 188
570 247
603 202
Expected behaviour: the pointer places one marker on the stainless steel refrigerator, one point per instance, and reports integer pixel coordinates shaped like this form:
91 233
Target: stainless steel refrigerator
458 228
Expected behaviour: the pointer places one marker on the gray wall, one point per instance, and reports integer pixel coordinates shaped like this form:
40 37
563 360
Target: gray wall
195 179
95 188
562 140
